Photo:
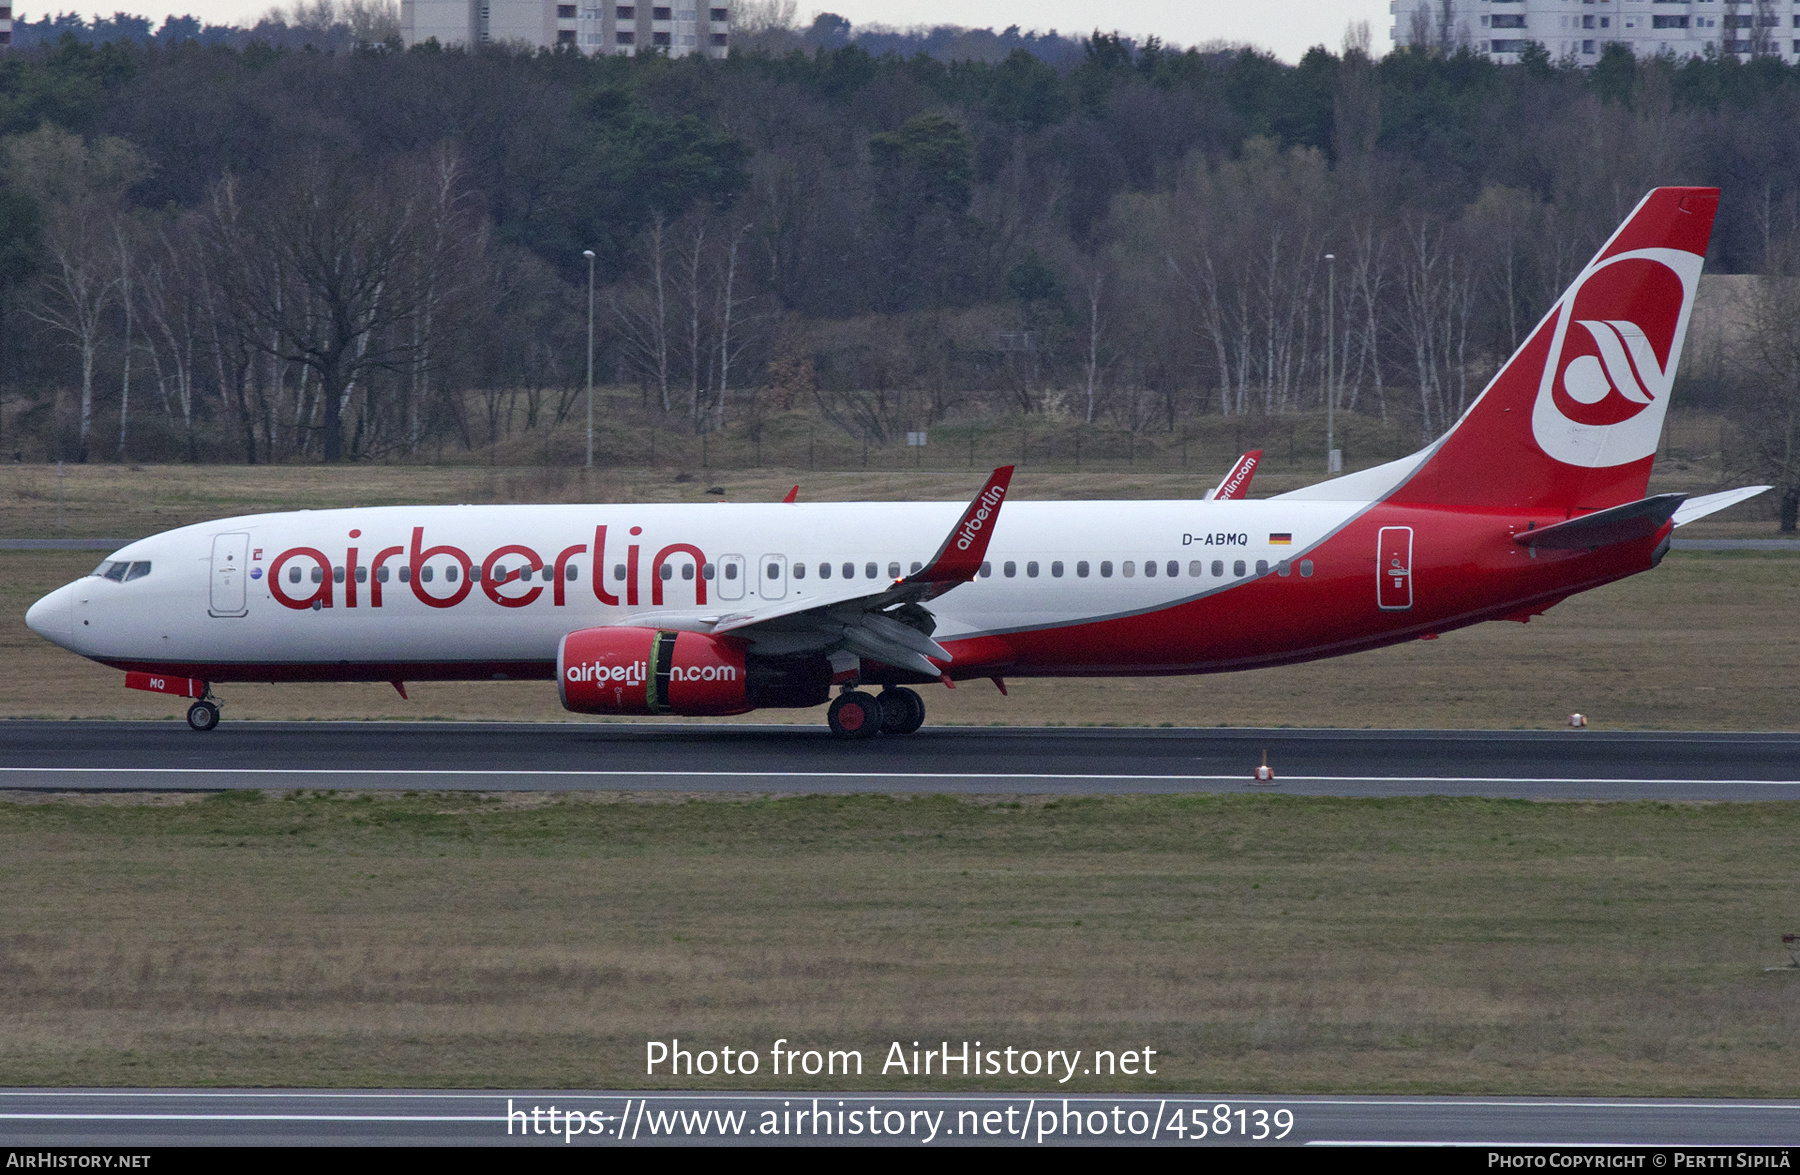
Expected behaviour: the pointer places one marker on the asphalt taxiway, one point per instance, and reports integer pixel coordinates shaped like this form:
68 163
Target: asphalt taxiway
1583 765
147 1118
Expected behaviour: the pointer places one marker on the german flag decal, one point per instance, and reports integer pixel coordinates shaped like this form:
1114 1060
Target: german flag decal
1281 540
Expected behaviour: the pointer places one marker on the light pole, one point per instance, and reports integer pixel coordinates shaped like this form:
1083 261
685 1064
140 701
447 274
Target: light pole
1332 461
589 254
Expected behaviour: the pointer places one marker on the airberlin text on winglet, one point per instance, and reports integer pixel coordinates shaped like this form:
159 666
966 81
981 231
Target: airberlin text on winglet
985 502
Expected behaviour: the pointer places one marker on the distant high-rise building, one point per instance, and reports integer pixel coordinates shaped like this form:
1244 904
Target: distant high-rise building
6 19
1580 30
605 28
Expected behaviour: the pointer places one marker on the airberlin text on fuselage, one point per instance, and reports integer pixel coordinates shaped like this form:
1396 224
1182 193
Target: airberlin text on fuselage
364 578
1215 540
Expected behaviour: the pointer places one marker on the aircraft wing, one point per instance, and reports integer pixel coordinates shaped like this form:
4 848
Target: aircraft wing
885 624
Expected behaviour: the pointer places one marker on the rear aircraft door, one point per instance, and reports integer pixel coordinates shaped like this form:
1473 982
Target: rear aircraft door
230 559
771 578
730 584
1393 559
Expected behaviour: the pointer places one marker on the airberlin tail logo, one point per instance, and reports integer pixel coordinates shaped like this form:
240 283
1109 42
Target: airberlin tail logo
1616 341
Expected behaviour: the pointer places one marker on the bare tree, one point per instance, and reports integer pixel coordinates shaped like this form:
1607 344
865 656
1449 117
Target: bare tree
642 310
318 269
81 192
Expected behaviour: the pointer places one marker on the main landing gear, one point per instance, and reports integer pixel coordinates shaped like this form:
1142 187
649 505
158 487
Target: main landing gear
204 714
857 715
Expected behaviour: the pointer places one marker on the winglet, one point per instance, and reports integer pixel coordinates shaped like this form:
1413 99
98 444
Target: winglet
959 559
793 495
1237 482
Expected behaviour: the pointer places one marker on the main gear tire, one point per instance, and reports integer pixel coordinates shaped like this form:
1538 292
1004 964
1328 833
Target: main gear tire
855 715
902 711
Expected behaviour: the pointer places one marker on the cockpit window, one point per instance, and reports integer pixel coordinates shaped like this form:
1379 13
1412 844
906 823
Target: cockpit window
122 571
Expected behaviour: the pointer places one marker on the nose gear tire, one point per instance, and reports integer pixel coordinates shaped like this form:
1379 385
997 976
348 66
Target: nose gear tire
203 716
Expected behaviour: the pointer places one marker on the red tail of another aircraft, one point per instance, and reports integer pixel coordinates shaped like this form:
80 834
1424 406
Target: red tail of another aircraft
1571 422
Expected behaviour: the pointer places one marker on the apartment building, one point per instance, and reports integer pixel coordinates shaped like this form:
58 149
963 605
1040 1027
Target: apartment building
679 29
1581 29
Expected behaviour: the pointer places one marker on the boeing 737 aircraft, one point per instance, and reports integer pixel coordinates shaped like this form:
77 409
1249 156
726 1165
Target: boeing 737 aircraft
1538 492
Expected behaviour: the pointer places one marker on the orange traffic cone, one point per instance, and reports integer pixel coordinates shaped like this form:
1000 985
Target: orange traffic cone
1264 775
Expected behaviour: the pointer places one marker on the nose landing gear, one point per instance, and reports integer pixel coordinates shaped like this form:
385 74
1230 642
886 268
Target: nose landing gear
204 714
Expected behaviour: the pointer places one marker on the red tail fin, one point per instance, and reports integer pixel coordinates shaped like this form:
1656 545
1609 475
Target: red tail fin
1571 423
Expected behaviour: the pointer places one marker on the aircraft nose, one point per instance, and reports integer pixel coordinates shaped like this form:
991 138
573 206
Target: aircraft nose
52 616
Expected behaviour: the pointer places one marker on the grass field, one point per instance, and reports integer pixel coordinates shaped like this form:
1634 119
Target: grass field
1257 942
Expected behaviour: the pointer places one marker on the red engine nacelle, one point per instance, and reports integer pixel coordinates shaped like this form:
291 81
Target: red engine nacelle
651 671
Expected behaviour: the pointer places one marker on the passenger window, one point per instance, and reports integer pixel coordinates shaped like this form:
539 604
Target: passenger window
406 575
987 570
1262 567
1149 569
450 573
893 571
706 571
619 572
1081 568
1031 569
916 567
774 571
824 570
1218 568
318 574
800 570
666 571
1284 569
1129 569
1306 568
1056 569
1173 569
381 574
1237 568
1105 569
687 571
849 571
337 575
138 571
731 571
293 575
1195 568
475 573
1009 569
362 575
425 574
870 571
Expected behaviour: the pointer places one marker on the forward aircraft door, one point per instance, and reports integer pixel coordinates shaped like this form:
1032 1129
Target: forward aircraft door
229 558
1393 569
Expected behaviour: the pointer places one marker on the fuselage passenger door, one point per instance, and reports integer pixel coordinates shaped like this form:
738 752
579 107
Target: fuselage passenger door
1393 569
230 569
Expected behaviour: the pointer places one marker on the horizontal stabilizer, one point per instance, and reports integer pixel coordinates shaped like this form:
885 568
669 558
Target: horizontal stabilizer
1621 524
1695 508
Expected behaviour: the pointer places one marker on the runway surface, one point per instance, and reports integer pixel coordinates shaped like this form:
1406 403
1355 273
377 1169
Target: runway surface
167 756
149 1118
